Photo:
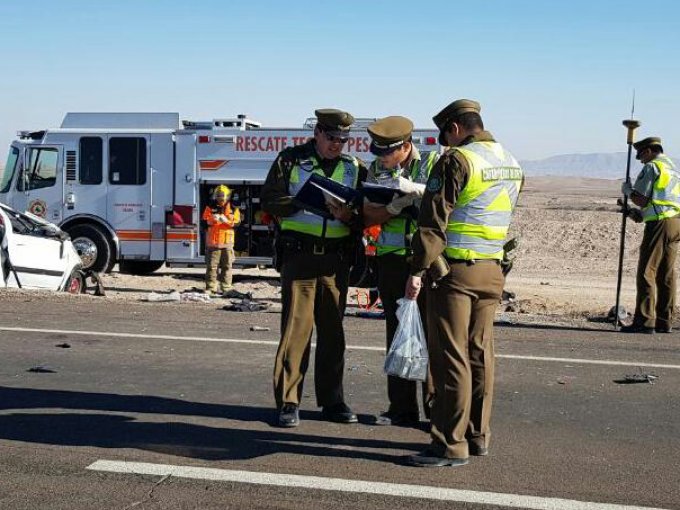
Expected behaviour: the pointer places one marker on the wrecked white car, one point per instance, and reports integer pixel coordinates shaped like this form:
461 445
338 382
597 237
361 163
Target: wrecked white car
35 254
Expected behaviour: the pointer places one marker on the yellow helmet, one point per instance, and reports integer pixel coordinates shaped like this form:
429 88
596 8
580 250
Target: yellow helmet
222 189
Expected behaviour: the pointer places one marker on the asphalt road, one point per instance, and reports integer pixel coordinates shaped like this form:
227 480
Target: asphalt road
143 411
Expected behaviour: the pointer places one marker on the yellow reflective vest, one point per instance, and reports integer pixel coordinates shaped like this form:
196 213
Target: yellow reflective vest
478 225
665 200
395 233
346 172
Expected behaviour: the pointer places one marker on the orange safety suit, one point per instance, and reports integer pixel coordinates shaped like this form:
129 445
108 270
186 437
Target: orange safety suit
221 234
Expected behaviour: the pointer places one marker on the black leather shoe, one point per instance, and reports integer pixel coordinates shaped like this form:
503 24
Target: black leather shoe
397 419
637 328
478 451
289 415
666 329
429 459
339 413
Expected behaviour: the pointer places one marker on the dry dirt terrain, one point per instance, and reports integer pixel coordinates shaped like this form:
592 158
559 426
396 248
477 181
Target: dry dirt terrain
565 268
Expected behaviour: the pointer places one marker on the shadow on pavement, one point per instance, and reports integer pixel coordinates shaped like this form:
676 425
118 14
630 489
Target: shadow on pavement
173 438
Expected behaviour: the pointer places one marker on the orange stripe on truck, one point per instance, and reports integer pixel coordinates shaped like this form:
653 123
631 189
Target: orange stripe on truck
134 235
212 164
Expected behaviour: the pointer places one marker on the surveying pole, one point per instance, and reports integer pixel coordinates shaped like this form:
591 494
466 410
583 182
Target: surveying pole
631 125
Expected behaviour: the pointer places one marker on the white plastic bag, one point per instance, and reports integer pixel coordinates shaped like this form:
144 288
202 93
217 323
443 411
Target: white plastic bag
407 357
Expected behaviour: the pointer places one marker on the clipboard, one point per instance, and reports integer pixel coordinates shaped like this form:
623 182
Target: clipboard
318 190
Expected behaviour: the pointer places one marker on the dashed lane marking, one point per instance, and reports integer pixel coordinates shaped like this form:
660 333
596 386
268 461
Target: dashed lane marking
355 486
350 347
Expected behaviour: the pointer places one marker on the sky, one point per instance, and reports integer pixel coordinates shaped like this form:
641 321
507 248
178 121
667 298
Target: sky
552 77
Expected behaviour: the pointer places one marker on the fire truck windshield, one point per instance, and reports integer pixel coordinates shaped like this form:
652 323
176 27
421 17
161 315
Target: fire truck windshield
7 173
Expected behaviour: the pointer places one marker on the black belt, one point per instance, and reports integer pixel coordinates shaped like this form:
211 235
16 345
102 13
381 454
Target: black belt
320 247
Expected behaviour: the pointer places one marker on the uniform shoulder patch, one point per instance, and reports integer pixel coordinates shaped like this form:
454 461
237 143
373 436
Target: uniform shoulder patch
434 183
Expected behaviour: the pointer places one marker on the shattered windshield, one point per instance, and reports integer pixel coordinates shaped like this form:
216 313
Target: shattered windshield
7 173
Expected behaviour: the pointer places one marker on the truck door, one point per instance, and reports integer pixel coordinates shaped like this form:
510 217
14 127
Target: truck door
128 200
85 193
183 218
40 185
161 158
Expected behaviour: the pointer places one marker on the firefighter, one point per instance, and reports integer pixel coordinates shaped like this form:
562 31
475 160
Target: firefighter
315 259
465 213
221 219
656 192
398 164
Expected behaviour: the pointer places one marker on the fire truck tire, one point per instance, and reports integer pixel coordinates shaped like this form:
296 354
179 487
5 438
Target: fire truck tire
92 245
139 267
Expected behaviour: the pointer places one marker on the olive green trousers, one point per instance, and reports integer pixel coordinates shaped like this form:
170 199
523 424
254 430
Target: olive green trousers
656 274
460 327
393 271
313 293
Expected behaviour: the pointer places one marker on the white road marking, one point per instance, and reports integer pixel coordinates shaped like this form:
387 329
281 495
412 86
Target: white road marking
349 347
356 486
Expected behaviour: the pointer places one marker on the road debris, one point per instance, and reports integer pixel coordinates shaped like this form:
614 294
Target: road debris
41 369
64 345
637 379
625 318
235 294
194 297
158 297
259 328
246 305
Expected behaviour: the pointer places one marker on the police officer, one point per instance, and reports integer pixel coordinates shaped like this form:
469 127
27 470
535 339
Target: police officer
221 219
465 213
315 268
398 164
657 192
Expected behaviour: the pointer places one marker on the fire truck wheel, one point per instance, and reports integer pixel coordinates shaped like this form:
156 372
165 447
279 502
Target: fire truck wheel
139 266
91 244
75 283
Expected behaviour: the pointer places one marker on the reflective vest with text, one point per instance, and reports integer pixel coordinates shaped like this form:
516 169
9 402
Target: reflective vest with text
479 222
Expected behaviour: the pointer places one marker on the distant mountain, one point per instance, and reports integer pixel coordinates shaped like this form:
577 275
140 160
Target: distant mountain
598 165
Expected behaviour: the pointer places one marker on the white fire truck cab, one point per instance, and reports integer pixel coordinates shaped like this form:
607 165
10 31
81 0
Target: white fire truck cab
131 187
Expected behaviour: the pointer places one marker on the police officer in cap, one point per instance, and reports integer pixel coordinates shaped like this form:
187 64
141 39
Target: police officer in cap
657 192
400 165
465 213
315 269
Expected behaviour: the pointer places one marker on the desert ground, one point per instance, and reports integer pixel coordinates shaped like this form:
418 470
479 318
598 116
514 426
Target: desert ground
565 268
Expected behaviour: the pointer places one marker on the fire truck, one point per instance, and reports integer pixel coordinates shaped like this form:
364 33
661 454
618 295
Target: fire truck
129 188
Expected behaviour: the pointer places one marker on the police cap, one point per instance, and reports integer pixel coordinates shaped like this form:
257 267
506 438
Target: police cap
389 134
645 143
451 111
334 122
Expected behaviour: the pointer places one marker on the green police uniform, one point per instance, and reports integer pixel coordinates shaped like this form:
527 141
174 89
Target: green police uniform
659 182
465 214
393 248
315 268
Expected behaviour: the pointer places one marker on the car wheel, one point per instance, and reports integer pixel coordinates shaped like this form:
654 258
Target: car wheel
92 246
75 283
139 266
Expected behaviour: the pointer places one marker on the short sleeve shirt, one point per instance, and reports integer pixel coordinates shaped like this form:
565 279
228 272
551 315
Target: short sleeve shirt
645 181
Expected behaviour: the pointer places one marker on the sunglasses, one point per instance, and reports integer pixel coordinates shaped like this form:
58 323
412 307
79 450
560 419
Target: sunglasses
336 139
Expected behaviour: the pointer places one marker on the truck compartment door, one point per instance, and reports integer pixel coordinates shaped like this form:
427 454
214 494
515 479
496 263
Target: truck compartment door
183 217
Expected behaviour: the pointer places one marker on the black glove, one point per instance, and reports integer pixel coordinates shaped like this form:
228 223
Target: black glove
633 213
